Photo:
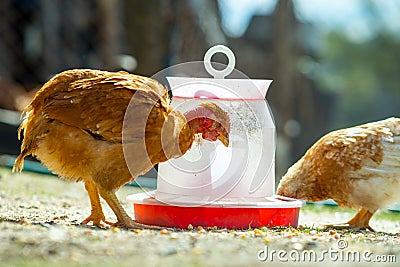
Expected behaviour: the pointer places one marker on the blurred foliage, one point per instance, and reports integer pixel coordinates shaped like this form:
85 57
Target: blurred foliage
364 74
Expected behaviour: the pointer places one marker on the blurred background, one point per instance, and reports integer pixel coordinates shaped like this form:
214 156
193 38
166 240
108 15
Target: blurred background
334 63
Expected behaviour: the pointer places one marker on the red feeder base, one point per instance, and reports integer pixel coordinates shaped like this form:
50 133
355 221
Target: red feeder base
152 212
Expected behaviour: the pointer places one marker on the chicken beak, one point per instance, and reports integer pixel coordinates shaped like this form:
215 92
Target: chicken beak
224 139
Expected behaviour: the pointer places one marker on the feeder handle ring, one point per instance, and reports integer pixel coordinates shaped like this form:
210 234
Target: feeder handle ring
219 74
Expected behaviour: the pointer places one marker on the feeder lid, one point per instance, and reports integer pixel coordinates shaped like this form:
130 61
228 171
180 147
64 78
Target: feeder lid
219 87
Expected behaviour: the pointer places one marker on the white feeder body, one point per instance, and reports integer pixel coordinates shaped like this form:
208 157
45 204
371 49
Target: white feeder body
209 171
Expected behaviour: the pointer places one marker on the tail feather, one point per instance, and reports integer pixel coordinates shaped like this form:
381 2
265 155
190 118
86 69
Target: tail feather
21 129
19 161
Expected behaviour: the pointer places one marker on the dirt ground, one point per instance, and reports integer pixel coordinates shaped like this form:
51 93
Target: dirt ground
39 226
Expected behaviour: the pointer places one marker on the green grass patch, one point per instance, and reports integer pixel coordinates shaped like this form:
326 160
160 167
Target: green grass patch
380 215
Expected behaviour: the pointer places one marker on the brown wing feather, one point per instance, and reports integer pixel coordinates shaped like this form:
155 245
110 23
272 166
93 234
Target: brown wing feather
92 112
98 104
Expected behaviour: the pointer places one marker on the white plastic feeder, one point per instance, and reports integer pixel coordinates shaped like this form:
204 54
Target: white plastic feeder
214 185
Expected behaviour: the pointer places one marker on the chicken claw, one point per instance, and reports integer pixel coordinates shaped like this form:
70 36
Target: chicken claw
97 215
97 220
124 221
359 222
131 224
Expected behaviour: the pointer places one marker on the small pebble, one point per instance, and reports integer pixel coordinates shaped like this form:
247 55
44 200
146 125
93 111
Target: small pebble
110 252
57 234
164 232
173 236
74 234
45 225
168 251
75 256
310 244
197 251
332 232
336 236
89 232
297 246
257 232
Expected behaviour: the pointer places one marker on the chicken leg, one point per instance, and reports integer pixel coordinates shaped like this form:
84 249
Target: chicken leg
123 219
360 221
97 215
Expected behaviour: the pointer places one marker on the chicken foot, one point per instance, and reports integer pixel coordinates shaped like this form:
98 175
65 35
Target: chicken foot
96 216
360 222
123 219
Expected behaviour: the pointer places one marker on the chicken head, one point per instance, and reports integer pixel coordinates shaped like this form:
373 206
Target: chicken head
210 121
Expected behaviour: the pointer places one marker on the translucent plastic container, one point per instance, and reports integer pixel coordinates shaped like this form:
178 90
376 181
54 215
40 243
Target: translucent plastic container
214 185
210 171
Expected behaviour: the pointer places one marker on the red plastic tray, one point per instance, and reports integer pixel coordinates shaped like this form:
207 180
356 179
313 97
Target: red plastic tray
152 212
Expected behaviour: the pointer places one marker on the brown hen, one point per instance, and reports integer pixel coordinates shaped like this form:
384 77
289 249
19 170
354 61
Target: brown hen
74 126
358 167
